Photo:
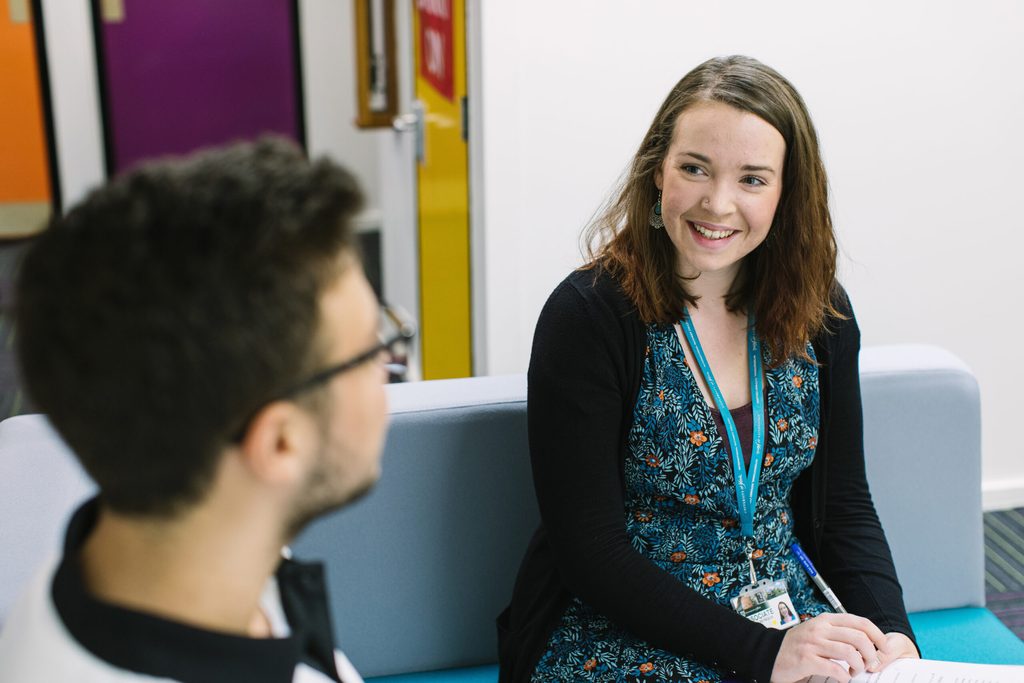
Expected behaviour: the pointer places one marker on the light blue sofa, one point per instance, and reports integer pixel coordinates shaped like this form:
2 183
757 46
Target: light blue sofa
418 570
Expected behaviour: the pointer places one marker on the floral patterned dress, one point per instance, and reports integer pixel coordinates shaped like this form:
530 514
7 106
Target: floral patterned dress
681 512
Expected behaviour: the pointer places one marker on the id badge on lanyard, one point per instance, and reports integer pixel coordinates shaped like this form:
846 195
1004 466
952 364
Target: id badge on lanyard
765 601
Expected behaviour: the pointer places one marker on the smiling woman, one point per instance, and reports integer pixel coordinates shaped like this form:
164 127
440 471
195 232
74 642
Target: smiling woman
739 105
718 204
689 389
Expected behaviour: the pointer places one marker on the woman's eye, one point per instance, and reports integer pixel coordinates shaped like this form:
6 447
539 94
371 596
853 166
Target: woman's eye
753 181
693 170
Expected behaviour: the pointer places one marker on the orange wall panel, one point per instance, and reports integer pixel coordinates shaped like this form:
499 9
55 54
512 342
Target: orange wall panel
23 159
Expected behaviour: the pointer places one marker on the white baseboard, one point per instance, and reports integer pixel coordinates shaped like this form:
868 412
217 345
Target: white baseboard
1002 495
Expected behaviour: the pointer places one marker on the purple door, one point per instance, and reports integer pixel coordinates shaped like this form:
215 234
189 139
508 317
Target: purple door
177 76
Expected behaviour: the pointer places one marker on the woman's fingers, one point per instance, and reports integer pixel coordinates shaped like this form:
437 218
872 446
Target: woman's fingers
898 646
858 642
810 648
834 670
861 634
844 652
861 624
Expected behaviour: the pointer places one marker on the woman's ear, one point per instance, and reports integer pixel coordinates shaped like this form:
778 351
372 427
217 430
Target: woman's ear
659 178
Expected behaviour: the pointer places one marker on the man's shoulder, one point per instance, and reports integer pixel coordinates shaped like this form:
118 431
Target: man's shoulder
35 646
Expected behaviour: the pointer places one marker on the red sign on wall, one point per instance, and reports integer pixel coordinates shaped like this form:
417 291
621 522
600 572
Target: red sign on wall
436 49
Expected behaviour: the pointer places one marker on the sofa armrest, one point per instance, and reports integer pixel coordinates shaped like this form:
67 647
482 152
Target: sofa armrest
922 441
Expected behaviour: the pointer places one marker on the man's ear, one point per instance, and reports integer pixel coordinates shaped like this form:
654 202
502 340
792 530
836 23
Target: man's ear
278 445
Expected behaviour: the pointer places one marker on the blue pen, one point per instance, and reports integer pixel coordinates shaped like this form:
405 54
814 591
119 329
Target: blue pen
816 577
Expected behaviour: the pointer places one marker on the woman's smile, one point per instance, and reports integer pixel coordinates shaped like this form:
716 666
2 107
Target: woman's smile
711 232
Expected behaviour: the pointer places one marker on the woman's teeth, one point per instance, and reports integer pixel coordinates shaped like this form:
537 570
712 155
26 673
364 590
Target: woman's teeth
711 234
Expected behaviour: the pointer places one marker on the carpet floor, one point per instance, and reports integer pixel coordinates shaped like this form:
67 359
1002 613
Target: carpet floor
1004 567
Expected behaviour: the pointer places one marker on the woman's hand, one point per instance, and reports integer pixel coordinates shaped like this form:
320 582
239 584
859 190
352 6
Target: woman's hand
897 646
810 648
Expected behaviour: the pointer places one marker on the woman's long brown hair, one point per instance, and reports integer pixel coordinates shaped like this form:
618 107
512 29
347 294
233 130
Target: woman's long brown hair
787 281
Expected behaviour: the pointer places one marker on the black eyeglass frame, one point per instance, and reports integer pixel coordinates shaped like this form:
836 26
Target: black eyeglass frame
406 333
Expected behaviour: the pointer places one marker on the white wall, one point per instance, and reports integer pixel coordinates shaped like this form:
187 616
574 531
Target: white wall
328 56
329 78
918 107
75 96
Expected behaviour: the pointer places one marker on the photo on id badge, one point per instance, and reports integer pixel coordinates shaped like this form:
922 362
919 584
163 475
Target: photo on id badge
768 603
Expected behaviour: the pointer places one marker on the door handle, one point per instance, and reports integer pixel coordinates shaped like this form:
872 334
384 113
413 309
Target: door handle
413 122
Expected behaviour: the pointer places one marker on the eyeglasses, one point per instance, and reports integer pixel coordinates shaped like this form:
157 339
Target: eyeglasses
395 333
396 330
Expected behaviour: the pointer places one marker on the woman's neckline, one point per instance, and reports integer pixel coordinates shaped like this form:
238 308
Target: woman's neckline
747 406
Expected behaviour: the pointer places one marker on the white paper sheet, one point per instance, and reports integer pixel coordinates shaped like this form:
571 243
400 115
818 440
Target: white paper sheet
931 671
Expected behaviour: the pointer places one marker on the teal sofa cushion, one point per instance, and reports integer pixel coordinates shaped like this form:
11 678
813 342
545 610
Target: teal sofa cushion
969 634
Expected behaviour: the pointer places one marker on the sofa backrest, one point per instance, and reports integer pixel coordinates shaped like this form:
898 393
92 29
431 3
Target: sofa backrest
419 568
41 484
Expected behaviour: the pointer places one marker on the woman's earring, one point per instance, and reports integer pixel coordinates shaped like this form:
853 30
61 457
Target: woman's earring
655 216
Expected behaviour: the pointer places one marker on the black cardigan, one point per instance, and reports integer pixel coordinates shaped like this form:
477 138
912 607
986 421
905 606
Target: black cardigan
584 377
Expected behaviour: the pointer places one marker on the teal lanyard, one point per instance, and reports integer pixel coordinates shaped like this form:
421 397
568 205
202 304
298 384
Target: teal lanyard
746 480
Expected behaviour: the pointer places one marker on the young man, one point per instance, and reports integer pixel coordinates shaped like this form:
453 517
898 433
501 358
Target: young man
201 334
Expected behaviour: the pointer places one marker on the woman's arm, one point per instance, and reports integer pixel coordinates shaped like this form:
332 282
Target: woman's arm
854 553
579 407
